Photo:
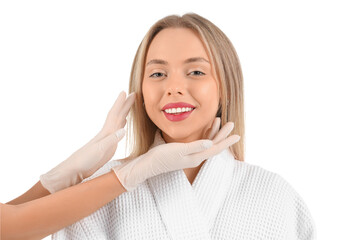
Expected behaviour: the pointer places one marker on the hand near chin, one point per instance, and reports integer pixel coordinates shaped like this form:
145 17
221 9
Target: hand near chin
174 156
214 134
219 138
214 129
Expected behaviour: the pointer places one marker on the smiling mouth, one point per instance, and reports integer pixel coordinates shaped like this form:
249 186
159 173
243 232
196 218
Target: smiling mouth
178 113
175 117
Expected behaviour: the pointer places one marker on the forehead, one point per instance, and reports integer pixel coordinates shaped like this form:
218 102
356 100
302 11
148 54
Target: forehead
176 44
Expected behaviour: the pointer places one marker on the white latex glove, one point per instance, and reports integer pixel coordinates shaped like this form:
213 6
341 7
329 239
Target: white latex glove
89 158
174 156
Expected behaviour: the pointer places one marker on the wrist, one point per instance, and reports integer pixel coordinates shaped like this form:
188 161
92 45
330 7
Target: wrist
58 179
116 179
127 174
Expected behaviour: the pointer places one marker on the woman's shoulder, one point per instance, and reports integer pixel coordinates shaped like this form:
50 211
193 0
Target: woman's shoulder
268 188
252 172
256 178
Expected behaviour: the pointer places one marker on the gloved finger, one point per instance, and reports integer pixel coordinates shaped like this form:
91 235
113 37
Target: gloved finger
207 133
116 116
124 111
214 128
197 158
111 140
224 132
126 106
119 102
122 102
196 146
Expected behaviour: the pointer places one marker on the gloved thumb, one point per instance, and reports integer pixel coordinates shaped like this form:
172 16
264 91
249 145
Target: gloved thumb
198 146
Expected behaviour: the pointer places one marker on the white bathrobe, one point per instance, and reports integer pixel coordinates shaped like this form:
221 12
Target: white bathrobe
228 199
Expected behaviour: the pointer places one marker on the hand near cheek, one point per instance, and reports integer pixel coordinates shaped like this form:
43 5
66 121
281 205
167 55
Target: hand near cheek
93 155
115 120
116 117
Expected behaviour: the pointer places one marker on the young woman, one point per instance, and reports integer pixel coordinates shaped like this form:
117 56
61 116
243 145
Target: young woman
185 74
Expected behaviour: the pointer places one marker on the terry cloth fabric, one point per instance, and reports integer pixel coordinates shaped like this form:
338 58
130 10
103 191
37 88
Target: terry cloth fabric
228 199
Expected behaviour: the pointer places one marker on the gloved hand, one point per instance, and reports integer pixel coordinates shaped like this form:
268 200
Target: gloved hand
174 156
93 155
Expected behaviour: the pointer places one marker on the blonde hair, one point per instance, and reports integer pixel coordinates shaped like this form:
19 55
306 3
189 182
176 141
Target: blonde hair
227 70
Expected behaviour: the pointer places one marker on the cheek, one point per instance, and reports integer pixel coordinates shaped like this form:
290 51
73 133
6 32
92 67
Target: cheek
207 94
151 96
145 89
147 92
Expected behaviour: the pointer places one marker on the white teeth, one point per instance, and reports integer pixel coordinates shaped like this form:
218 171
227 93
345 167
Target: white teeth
178 110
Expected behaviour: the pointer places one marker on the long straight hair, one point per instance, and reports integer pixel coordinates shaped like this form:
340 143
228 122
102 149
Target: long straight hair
226 64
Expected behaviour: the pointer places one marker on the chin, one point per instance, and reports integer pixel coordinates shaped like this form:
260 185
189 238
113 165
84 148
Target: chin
178 135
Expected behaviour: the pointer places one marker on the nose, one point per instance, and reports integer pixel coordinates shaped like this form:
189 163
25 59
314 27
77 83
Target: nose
175 86
171 91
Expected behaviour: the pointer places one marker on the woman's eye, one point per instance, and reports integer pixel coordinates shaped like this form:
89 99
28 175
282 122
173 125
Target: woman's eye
159 74
201 73
155 73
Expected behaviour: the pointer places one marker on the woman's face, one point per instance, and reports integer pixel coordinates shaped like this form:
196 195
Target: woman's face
170 77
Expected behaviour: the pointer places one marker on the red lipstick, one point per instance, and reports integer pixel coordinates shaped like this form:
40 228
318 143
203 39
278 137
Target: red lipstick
177 116
177 105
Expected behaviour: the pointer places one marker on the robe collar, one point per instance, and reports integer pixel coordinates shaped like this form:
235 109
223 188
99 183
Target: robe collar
189 211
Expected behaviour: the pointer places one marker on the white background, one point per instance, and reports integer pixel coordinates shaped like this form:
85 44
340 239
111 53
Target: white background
63 64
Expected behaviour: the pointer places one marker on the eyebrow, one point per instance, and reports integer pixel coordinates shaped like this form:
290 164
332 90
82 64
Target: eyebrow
189 60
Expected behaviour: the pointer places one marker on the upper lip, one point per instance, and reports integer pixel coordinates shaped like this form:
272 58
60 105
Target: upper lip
177 105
